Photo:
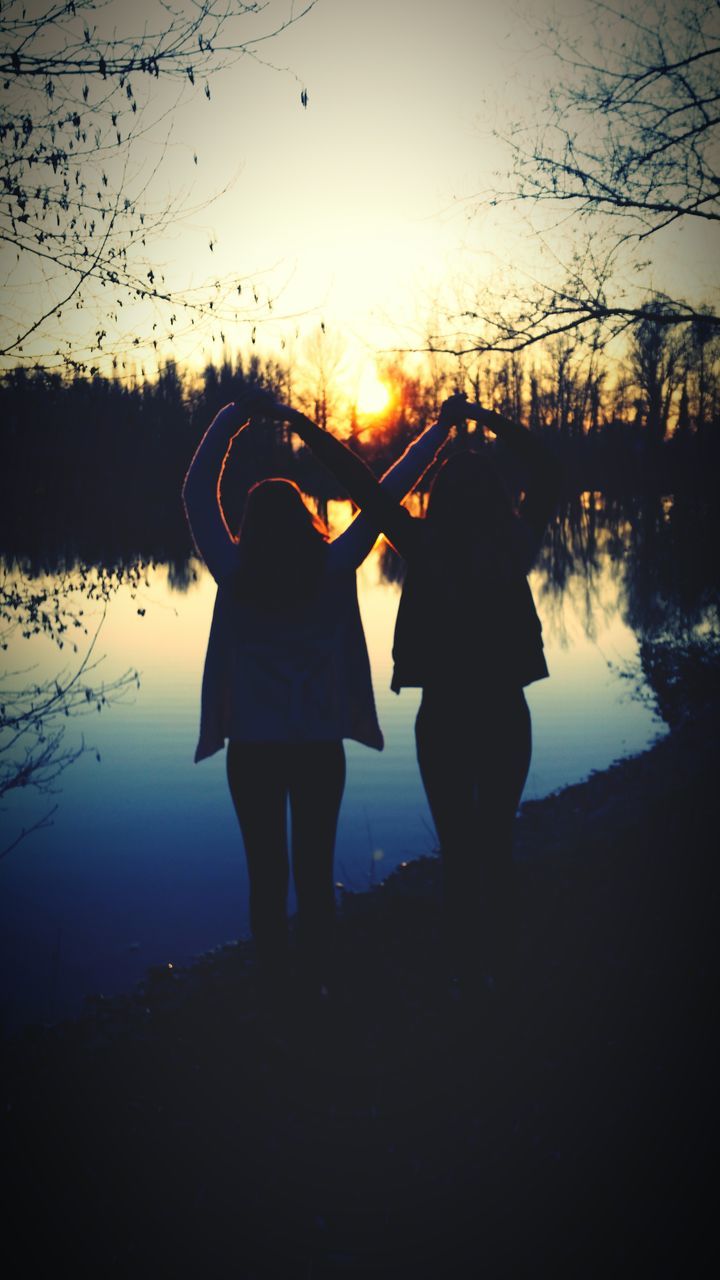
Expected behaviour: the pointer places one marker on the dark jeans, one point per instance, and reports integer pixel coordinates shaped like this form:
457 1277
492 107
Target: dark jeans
263 776
474 753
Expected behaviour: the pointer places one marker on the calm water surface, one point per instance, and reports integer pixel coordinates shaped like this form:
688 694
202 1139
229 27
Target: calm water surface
144 864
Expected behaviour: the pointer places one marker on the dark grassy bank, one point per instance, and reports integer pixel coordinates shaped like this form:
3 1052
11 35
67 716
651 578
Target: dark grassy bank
166 1134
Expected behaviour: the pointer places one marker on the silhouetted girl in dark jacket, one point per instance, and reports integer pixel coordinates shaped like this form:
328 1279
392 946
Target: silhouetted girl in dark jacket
468 634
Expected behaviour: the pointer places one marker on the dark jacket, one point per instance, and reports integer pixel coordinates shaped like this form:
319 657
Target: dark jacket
468 610
468 617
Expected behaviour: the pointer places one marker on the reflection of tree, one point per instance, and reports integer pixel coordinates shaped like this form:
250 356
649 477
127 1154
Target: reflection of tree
34 715
661 553
672 573
684 674
581 542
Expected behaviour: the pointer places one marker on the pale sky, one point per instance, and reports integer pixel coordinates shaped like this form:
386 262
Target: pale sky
358 204
358 210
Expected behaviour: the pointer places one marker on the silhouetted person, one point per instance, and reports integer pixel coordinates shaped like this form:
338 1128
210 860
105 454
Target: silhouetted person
287 676
468 634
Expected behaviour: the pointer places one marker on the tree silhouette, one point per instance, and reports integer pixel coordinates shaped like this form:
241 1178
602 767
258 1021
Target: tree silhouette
655 354
82 82
624 146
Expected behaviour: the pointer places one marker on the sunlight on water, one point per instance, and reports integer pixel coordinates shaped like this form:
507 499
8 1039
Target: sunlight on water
143 863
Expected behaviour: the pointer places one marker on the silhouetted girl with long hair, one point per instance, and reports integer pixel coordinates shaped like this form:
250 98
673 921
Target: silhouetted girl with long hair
287 675
467 633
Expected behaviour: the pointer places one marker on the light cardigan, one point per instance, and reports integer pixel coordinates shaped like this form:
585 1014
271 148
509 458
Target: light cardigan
305 679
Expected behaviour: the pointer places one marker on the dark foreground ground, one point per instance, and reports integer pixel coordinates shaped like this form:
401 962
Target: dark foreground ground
167 1134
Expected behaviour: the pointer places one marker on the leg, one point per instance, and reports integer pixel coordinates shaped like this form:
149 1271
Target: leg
257 774
474 754
447 772
316 790
502 763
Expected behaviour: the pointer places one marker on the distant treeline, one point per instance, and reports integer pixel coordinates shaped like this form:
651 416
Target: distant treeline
94 466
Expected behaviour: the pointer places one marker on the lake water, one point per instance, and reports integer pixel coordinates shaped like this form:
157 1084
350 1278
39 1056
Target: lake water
143 863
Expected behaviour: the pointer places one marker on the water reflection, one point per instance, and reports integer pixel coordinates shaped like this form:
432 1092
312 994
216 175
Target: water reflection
659 553
652 558
143 862
663 550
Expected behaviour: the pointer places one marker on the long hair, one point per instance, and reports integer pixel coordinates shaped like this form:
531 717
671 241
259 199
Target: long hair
468 498
282 548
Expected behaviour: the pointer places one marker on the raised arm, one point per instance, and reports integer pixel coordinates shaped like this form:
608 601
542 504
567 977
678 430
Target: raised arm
379 499
201 491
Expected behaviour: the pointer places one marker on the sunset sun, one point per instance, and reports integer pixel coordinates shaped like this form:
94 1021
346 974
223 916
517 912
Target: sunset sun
372 395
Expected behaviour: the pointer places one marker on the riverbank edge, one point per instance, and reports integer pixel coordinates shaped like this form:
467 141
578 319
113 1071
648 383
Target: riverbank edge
576 821
173 1131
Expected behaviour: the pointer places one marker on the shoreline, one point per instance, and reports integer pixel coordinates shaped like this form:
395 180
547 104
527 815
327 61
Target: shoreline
413 1134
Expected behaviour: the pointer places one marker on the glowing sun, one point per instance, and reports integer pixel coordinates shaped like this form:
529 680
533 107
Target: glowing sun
372 395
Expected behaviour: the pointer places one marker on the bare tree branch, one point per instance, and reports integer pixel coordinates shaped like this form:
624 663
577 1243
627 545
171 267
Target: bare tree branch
626 145
76 98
